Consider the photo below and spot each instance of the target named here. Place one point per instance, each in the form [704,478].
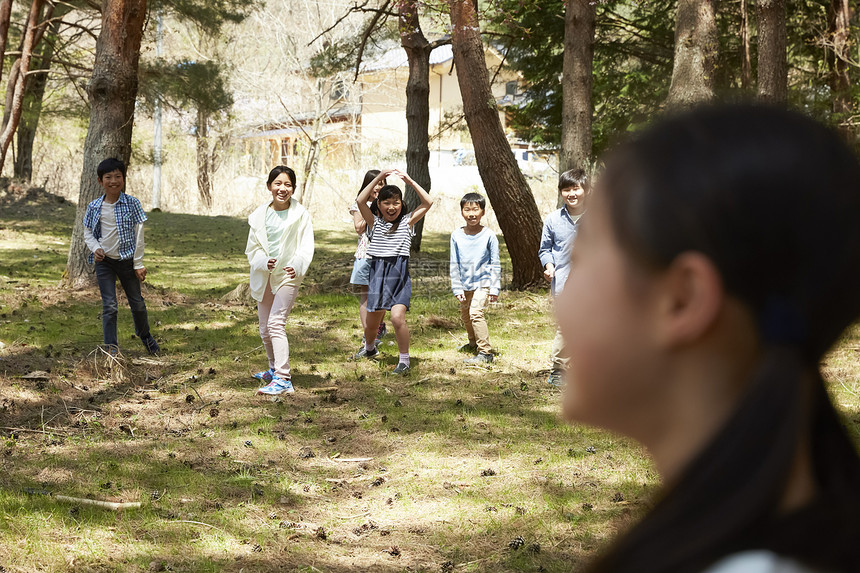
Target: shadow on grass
[189,427]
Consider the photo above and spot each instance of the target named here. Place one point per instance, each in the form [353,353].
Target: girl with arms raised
[390,287]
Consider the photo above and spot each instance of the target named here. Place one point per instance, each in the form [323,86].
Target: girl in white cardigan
[280,249]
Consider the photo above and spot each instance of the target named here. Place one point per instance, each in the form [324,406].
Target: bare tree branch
[354,8]
[366,35]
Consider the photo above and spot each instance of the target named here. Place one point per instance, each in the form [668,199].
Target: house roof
[290,125]
[396,58]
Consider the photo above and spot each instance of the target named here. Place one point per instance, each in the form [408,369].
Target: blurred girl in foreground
[719,262]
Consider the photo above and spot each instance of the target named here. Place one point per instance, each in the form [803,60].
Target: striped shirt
[128,214]
[383,244]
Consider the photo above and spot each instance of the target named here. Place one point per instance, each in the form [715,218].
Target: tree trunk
[576,84]
[746,61]
[5,18]
[696,50]
[417,108]
[504,183]
[772,60]
[17,101]
[204,171]
[112,91]
[839,22]
[303,193]
[34,93]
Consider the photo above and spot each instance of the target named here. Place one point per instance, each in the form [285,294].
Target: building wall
[383,107]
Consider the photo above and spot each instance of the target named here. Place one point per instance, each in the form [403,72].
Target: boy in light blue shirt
[559,232]
[475,275]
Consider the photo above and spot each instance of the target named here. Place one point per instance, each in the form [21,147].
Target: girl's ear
[690,297]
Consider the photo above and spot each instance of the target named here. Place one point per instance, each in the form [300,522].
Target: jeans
[107,271]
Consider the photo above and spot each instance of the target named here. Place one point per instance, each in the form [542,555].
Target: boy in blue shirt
[559,232]
[475,275]
[113,231]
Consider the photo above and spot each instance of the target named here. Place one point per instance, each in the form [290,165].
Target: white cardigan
[296,249]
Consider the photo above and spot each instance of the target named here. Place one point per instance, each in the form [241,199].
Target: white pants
[273,311]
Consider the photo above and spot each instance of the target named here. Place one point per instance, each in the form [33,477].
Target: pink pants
[273,311]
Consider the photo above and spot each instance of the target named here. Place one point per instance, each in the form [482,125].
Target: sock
[404,358]
[370,345]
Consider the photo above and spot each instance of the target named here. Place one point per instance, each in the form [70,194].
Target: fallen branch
[198,523]
[345,460]
[349,480]
[114,505]
[324,389]
[365,514]
[47,433]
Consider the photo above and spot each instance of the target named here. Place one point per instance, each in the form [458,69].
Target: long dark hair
[773,199]
[273,174]
[388,192]
[368,179]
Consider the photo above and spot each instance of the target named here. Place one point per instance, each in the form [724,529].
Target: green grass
[235,485]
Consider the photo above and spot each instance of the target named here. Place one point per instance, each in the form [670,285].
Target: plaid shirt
[128,214]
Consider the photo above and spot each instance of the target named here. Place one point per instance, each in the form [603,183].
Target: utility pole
[156,117]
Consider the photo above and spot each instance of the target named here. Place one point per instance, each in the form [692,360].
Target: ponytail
[728,497]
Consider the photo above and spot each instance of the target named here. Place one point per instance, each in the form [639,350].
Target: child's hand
[271,264]
[141,274]
[461,297]
[291,272]
[494,297]
[99,254]
[549,272]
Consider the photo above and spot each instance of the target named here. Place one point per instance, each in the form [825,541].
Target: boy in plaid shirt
[113,231]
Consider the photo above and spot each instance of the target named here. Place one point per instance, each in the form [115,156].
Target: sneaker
[480,358]
[265,375]
[276,387]
[401,368]
[151,345]
[555,378]
[364,353]
[381,331]
[468,348]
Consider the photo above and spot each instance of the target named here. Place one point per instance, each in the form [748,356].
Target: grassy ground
[444,470]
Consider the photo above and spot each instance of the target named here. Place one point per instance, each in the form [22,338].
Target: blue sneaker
[265,375]
[276,387]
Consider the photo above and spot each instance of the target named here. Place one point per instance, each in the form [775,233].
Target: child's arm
[257,257]
[364,197]
[359,222]
[93,244]
[545,252]
[300,262]
[426,201]
[495,269]
[456,282]
[139,269]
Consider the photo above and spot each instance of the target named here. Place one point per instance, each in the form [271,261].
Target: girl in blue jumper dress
[390,287]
